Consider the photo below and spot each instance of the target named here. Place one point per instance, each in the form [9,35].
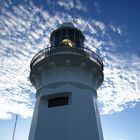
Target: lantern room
[67,35]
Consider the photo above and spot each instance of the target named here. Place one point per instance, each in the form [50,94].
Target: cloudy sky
[111,29]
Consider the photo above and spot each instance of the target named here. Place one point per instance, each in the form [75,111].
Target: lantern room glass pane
[57,40]
[64,32]
[70,32]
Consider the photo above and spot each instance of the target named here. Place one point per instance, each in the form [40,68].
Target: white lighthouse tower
[66,76]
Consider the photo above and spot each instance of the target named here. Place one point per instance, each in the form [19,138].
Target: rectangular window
[58,101]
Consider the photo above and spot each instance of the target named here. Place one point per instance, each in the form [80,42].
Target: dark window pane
[70,32]
[76,34]
[78,43]
[71,38]
[57,40]
[58,101]
[64,33]
[63,37]
[58,33]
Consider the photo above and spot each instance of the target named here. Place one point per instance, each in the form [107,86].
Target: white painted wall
[79,120]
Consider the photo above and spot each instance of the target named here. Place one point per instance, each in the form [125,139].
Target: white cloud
[25,29]
[73,4]
[122,83]
[67,4]
[122,139]
[98,7]
[99,25]
[116,29]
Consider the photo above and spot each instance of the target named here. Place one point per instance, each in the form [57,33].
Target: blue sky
[111,29]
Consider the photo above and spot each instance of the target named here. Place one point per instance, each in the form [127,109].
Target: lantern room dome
[67,24]
[67,35]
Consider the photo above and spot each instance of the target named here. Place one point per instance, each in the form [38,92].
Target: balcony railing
[50,51]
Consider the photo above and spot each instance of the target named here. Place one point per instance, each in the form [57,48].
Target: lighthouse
[66,76]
